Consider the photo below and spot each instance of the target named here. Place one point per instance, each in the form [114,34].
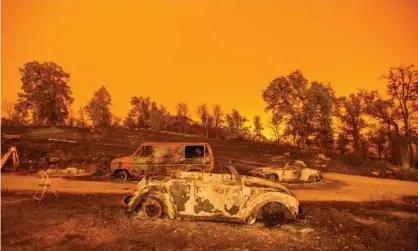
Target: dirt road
[337,187]
[88,215]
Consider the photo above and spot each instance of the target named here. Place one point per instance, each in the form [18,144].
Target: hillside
[91,149]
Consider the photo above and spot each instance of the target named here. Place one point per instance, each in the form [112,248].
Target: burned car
[153,158]
[295,171]
[213,196]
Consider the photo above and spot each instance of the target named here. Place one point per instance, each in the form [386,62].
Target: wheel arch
[164,198]
[253,206]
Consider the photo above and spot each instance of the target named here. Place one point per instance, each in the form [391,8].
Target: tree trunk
[400,150]
[357,150]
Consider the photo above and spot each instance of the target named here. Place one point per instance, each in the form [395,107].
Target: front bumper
[301,213]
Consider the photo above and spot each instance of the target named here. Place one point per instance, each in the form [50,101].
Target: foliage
[402,86]
[45,93]
[235,124]
[217,116]
[351,114]
[98,108]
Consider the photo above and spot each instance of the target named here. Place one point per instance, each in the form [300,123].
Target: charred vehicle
[214,196]
[153,158]
[295,171]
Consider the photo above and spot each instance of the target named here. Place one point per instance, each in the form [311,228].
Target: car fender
[253,205]
[306,172]
[162,196]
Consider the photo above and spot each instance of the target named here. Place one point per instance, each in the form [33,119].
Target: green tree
[45,92]
[98,108]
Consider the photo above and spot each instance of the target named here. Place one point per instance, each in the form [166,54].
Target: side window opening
[146,151]
[192,152]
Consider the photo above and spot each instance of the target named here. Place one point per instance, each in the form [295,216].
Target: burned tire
[312,179]
[273,177]
[121,175]
[151,208]
[127,199]
[273,214]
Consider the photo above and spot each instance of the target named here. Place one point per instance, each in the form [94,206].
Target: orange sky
[214,51]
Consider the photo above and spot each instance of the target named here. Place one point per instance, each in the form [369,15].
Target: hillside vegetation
[91,150]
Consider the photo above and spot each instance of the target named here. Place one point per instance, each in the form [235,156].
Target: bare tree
[203,113]
[258,127]
[274,123]
[8,107]
[403,88]
[182,109]
[217,115]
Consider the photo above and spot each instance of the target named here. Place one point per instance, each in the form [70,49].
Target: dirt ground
[344,213]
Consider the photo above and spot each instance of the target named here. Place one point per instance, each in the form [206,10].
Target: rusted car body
[153,158]
[214,196]
[291,172]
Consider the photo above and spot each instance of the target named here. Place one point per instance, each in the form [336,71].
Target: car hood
[250,181]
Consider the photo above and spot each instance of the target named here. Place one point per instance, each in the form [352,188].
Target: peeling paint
[291,172]
[159,157]
[214,196]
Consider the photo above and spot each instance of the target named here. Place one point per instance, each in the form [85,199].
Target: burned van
[155,158]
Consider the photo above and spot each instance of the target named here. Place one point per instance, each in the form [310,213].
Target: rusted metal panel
[294,172]
[228,197]
[163,156]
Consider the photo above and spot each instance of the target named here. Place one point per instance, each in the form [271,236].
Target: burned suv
[154,158]
[213,196]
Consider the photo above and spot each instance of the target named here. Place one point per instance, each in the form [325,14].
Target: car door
[218,195]
[143,161]
[291,173]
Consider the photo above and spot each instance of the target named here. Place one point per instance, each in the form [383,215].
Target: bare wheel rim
[122,175]
[273,214]
[151,208]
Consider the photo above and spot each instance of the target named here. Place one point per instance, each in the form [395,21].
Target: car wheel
[312,178]
[273,177]
[273,214]
[151,208]
[121,175]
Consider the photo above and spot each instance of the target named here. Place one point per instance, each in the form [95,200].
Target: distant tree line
[304,113]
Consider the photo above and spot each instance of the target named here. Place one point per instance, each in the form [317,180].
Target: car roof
[153,143]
